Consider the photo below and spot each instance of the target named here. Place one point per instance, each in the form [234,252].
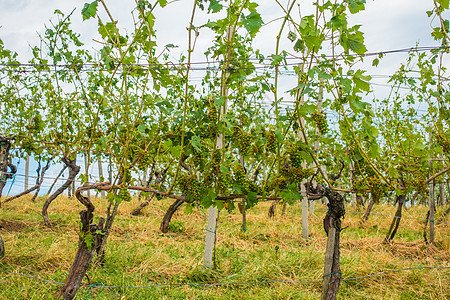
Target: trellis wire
[380,214]
[223,283]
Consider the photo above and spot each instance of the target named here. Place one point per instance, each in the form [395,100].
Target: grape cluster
[358,185]
[212,169]
[239,174]
[320,118]
[126,175]
[243,119]
[124,194]
[208,179]
[297,174]
[443,142]
[278,181]
[377,187]
[190,186]
[416,180]
[242,139]
[223,183]
[254,187]
[144,161]
[215,162]
[294,153]
[246,185]
[212,115]
[271,141]
[197,156]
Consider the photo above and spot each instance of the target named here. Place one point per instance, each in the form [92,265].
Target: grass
[270,250]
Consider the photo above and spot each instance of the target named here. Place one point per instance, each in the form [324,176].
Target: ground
[271,250]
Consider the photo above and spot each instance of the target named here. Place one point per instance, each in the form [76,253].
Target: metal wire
[223,283]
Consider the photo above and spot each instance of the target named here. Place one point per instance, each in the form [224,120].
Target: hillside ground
[271,249]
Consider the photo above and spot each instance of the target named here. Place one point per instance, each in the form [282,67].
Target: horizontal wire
[380,214]
[52,68]
[224,283]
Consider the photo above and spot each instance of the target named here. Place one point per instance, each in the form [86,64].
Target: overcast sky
[387,25]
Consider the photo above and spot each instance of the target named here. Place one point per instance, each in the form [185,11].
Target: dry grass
[271,249]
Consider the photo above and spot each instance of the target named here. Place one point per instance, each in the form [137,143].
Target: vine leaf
[89,10]
[444,3]
[162,2]
[252,22]
[357,5]
[214,6]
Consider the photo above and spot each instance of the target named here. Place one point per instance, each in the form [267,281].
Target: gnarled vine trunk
[164,227]
[160,177]
[401,199]
[88,242]
[137,210]
[5,146]
[73,171]
[272,208]
[332,225]
[2,248]
[368,210]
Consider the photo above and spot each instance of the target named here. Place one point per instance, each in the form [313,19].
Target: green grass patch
[271,250]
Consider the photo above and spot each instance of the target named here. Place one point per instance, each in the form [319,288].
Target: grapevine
[320,118]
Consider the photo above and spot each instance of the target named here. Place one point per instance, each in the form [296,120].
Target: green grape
[124,194]
[320,118]
[271,142]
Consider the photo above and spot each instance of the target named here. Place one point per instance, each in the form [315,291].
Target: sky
[387,25]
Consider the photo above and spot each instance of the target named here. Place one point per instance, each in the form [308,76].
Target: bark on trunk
[21,194]
[359,201]
[332,225]
[109,221]
[425,228]
[283,211]
[5,146]
[335,276]
[2,248]
[164,227]
[427,219]
[56,180]
[73,171]
[272,208]
[160,177]
[368,210]
[40,179]
[396,220]
[137,210]
[90,236]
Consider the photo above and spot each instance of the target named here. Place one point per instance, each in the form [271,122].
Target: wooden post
[27,170]
[305,229]
[210,238]
[213,217]
[431,200]
[431,208]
